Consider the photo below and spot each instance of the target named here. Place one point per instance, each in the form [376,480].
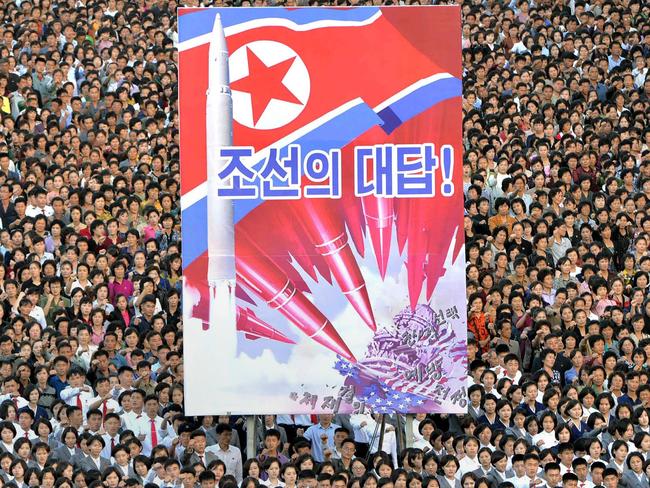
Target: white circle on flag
[292,97]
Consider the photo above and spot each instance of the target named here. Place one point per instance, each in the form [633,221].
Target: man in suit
[95,461]
[195,452]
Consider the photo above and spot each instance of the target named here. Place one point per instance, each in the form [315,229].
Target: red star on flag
[264,83]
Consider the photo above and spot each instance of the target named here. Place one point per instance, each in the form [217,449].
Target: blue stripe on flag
[195,218]
[199,23]
[418,101]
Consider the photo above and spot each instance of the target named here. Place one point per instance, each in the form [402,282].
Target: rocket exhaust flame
[222,311]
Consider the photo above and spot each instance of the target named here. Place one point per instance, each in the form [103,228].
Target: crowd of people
[556,175]
[557,185]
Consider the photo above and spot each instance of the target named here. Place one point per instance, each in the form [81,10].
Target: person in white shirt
[38,204]
[518,468]
[419,417]
[150,430]
[104,400]
[273,473]
[389,444]
[230,455]
[511,370]
[531,477]
[469,462]
[25,422]
[294,424]
[78,393]
[565,453]
[581,469]
[546,438]
[425,429]
[82,281]
[40,253]
[132,409]
[111,436]
[640,70]
[178,436]
[570,480]
[10,392]
[85,350]
[28,306]
[93,421]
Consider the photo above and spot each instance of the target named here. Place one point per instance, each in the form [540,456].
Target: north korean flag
[301,68]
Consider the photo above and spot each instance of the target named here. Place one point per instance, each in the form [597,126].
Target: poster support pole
[399,428]
[382,430]
[409,430]
[250,436]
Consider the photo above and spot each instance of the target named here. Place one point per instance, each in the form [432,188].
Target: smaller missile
[379,217]
[267,280]
[354,222]
[255,328]
[327,234]
[402,222]
[417,249]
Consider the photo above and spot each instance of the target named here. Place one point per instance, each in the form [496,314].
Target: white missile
[221,234]
[218,119]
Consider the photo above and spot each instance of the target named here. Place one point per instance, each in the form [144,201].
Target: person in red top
[477,321]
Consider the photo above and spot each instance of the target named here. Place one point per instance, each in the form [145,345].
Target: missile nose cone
[218,36]
[249,323]
[328,337]
[361,302]
[218,56]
